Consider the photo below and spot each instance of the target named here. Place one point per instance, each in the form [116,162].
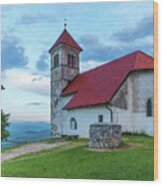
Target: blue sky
[104,30]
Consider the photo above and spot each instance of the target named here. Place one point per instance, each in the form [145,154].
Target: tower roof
[67,39]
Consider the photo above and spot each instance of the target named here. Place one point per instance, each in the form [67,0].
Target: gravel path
[29,148]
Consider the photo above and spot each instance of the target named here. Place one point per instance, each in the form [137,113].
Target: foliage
[2,87]
[4,123]
[134,133]
[76,161]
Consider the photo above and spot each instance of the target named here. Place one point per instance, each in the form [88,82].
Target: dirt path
[29,148]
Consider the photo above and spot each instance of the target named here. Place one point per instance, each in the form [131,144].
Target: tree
[4,123]
[2,87]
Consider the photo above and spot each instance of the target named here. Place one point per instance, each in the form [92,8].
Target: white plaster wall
[133,122]
[61,116]
[144,124]
[140,88]
[85,117]
[143,89]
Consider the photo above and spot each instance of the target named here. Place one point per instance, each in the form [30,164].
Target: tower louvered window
[70,60]
[56,61]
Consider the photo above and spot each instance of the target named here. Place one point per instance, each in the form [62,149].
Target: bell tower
[64,68]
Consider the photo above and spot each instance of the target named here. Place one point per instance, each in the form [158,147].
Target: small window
[56,60]
[100,118]
[73,124]
[70,60]
[149,107]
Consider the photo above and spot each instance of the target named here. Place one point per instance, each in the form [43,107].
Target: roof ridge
[138,55]
[114,60]
[136,59]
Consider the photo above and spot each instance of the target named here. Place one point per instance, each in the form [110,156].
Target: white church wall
[143,124]
[139,89]
[133,122]
[61,117]
[142,90]
[85,117]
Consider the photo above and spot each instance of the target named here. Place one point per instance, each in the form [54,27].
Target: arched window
[149,107]
[73,124]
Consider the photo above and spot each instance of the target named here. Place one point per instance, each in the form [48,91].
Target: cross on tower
[65,23]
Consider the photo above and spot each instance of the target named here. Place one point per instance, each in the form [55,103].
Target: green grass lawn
[133,161]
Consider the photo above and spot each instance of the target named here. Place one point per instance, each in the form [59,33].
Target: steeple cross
[65,23]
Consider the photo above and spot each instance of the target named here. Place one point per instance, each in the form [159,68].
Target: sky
[105,31]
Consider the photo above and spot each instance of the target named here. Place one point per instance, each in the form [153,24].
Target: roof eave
[83,106]
[80,49]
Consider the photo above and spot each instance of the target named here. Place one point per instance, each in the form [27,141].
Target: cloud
[36,18]
[143,29]
[42,64]
[120,43]
[94,49]
[112,53]
[97,51]
[13,55]
[87,65]
[35,104]
[25,80]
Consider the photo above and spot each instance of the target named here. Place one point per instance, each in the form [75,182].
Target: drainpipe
[61,122]
[111,112]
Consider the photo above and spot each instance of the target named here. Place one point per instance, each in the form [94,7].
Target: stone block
[105,135]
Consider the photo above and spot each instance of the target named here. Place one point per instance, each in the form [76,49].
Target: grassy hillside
[133,161]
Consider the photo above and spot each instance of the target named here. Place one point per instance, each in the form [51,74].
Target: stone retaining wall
[104,135]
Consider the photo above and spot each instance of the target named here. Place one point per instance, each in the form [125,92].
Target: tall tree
[4,123]
[2,87]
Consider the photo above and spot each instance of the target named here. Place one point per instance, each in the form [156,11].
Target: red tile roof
[66,38]
[99,85]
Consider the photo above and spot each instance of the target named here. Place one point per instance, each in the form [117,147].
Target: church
[118,92]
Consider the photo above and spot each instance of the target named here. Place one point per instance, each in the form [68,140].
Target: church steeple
[64,68]
[66,39]
[65,58]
